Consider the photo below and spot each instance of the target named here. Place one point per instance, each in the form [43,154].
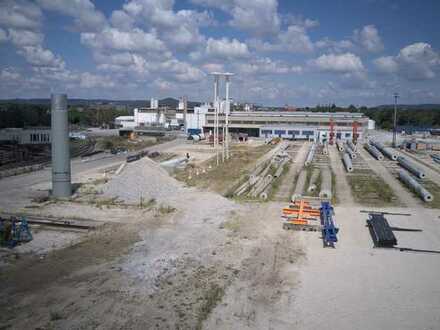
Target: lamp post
[396,96]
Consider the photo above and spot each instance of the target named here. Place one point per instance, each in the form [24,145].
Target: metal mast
[396,96]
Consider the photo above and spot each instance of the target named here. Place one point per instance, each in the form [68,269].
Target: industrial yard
[164,240]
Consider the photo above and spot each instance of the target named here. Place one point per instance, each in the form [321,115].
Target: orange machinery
[300,215]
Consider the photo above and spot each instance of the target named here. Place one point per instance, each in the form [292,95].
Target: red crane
[332,131]
[355,132]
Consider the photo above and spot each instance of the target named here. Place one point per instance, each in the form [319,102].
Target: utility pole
[396,96]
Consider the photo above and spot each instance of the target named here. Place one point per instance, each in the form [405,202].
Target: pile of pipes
[373,151]
[340,145]
[413,182]
[310,155]
[325,149]
[349,154]
[387,151]
[436,158]
[326,183]
[259,183]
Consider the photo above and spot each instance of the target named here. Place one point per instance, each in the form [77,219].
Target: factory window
[338,135]
[307,133]
[266,131]
[294,132]
[280,132]
[347,135]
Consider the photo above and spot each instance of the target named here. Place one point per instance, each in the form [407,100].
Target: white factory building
[317,126]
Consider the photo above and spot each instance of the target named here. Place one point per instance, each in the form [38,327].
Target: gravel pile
[143,178]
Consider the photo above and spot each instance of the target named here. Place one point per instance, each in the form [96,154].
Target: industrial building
[286,124]
[34,135]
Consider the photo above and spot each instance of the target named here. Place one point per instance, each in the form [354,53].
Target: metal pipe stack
[313,180]
[411,167]
[373,151]
[414,185]
[326,184]
[347,162]
[61,172]
[310,155]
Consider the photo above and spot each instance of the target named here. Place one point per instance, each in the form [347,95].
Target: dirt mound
[143,179]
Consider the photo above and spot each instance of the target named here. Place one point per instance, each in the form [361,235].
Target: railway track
[57,222]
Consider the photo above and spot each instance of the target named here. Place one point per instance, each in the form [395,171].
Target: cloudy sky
[296,52]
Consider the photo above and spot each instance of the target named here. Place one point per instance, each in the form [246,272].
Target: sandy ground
[212,263]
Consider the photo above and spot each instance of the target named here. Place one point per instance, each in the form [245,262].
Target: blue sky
[282,52]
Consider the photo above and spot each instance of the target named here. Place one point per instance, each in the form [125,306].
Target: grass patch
[334,196]
[165,209]
[223,178]
[434,189]
[110,142]
[371,190]
[212,297]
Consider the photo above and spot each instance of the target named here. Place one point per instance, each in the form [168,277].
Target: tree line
[26,115]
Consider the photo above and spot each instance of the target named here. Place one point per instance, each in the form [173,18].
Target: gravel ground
[143,179]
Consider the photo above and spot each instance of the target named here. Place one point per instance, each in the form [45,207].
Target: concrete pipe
[414,185]
[313,180]
[347,162]
[326,184]
[411,167]
[300,184]
[340,145]
[265,182]
[351,145]
[387,151]
[373,151]
[310,155]
[325,149]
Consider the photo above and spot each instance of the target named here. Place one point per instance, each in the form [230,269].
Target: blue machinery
[329,229]
[14,231]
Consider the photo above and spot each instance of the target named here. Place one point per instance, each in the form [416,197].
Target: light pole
[396,96]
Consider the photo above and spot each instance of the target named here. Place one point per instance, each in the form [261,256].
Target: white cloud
[22,38]
[335,46]
[265,66]
[386,64]
[339,63]
[112,38]
[20,14]
[417,61]
[89,80]
[225,48]
[294,40]
[121,20]
[258,17]
[8,75]
[84,13]
[40,57]
[369,38]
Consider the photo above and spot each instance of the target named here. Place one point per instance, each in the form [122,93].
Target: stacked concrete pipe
[414,185]
[411,167]
[310,155]
[351,145]
[300,184]
[373,151]
[387,151]
[347,162]
[340,145]
[326,184]
[313,180]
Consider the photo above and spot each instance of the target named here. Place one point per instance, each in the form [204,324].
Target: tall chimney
[61,178]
